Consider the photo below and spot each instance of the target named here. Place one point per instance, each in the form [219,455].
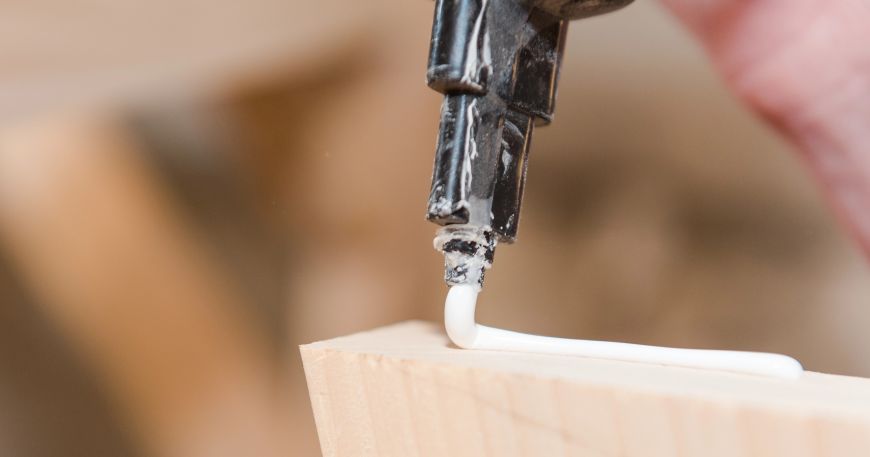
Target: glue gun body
[497,64]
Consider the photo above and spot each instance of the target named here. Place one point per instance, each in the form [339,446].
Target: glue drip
[465,333]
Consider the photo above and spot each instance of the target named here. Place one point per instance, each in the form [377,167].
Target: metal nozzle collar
[468,252]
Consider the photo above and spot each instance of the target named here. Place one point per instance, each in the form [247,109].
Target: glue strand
[465,333]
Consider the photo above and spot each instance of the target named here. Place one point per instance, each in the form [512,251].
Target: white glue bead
[465,333]
[459,315]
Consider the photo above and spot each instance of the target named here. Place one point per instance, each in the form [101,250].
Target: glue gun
[497,64]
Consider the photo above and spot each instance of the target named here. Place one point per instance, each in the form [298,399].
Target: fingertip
[698,14]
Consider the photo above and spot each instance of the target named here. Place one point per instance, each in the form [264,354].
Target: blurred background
[191,189]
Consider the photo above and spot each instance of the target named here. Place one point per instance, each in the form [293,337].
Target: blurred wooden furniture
[94,232]
[119,272]
[111,53]
[404,390]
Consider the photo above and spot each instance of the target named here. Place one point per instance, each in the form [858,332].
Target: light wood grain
[404,390]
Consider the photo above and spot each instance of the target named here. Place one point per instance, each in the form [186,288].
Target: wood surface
[404,390]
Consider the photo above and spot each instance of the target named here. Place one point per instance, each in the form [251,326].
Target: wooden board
[403,390]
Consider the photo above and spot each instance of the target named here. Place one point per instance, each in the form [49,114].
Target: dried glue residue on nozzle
[465,333]
[468,252]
